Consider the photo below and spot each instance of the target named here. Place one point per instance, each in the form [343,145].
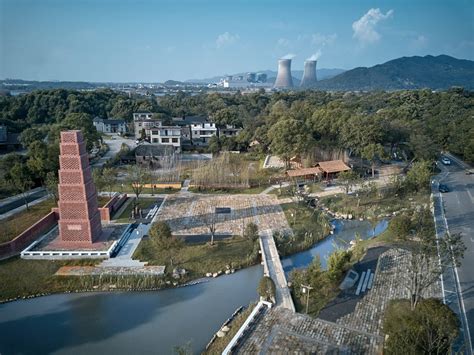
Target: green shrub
[337,263]
[266,288]
[430,328]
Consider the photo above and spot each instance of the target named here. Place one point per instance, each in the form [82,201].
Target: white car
[446,161]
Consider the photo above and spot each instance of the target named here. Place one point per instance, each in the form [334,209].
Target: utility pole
[306,289]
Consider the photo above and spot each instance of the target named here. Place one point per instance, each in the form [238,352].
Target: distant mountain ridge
[434,72]
[322,73]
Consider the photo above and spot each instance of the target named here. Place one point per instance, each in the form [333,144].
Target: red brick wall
[15,246]
[110,207]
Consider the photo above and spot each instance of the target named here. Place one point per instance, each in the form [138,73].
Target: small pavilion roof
[304,172]
[333,166]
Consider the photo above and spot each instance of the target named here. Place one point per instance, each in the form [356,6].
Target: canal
[145,322]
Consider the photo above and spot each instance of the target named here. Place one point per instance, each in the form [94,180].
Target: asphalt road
[19,201]
[114,143]
[459,213]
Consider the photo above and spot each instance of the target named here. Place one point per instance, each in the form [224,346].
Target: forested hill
[437,73]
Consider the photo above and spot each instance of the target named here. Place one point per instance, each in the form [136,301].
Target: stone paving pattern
[97,270]
[281,332]
[186,214]
[388,285]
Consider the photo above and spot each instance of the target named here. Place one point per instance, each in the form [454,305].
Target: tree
[98,179]
[289,137]
[348,179]
[431,328]
[337,263]
[372,152]
[210,220]
[29,136]
[251,231]
[400,226]
[214,145]
[266,289]
[161,235]
[109,176]
[51,184]
[429,257]
[418,178]
[137,177]
[38,162]
[20,178]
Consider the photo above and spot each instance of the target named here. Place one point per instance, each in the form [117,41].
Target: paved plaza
[358,332]
[189,214]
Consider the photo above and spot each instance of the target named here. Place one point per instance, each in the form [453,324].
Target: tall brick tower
[79,217]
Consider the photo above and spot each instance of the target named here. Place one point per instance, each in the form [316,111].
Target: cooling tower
[284,79]
[309,76]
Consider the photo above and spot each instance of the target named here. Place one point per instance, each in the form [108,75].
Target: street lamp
[306,289]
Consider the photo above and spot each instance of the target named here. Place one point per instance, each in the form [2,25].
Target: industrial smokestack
[309,75]
[284,79]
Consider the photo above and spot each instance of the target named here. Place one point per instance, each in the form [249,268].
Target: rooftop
[304,172]
[333,166]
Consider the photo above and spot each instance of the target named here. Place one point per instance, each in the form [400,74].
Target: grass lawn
[309,226]
[373,205]
[16,224]
[29,277]
[199,259]
[143,203]
[21,221]
[219,344]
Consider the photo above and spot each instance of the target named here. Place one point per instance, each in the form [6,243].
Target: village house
[110,125]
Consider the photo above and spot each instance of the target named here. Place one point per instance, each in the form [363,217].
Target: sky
[153,41]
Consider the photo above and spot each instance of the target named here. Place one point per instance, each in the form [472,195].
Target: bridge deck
[274,269]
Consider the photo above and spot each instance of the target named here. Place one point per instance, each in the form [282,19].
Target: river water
[145,322]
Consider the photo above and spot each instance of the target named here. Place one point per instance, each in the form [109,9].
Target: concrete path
[272,265]
[114,144]
[10,203]
[125,254]
[23,207]
[185,186]
[273,187]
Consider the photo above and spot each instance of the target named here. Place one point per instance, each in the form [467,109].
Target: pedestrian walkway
[185,186]
[273,187]
[23,207]
[125,254]
[274,269]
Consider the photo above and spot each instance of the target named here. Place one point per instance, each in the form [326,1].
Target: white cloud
[322,40]
[283,42]
[226,38]
[365,27]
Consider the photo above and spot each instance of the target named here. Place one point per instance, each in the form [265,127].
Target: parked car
[446,161]
[443,188]
[469,171]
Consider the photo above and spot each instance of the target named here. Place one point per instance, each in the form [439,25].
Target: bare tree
[429,257]
[137,177]
[109,176]
[210,219]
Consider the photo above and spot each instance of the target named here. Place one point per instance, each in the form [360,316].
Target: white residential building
[110,125]
[144,121]
[167,135]
[201,133]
